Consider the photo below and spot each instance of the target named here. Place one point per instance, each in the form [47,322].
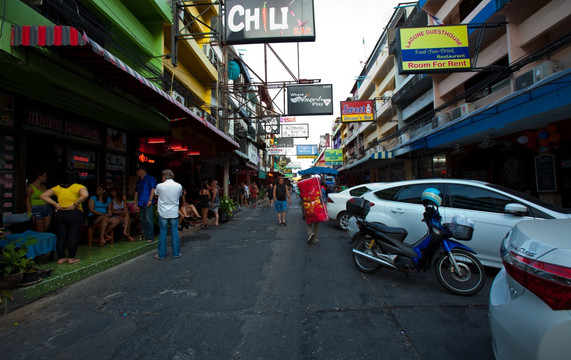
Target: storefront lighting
[156,140]
[179,148]
[193,153]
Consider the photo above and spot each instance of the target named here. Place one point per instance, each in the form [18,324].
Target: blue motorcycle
[377,245]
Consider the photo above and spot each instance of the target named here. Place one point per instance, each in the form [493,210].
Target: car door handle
[398,211]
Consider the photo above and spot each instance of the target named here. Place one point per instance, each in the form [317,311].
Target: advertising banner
[276,151]
[295,130]
[353,111]
[334,157]
[306,151]
[287,119]
[433,49]
[283,142]
[310,99]
[256,21]
[270,125]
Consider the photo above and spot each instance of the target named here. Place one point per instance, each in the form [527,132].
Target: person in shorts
[281,196]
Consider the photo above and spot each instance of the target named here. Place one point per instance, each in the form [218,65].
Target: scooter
[377,245]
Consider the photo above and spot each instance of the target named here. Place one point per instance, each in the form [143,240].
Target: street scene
[251,289]
[285,179]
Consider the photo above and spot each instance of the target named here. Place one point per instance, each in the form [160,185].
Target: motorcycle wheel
[363,264]
[472,275]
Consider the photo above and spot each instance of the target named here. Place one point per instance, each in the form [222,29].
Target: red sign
[362,110]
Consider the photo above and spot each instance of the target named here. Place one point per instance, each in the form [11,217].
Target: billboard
[310,99]
[295,130]
[276,151]
[257,21]
[283,142]
[433,49]
[362,110]
[306,151]
[334,157]
[269,125]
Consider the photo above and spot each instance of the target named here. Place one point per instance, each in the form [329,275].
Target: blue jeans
[146,214]
[163,225]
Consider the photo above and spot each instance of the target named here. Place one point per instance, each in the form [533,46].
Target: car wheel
[343,220]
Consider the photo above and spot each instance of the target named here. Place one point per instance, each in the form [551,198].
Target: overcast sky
[335,57]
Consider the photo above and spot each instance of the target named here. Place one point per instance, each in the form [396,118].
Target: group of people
[248,194]
[68,202]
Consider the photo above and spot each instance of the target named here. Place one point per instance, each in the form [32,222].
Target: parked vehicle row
[495,210]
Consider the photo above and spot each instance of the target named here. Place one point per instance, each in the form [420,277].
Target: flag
[433,20]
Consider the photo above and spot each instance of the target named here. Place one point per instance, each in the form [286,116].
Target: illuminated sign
[254,21]
[145,159]
[333,157]
[433,49]
[82,160]
[362,110]
[306,151]
[310,99]
[295,130]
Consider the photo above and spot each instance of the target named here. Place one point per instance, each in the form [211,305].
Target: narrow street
[250,289]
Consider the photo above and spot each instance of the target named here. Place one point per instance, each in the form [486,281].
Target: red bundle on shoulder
[314,208]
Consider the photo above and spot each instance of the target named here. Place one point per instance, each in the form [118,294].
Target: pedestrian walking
[145,191]
[313,228]
[281,196]
[68,216]
[169,193]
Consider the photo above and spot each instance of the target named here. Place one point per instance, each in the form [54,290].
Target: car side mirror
[516,209]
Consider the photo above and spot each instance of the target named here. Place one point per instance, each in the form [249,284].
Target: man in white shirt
[169,193]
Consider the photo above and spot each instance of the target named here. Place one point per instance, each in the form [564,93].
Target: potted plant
[227,207]
[13,263]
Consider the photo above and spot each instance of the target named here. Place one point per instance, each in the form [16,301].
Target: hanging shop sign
[6,110]
[269,125]
[254,21]
[353,111]
[283,142]
[433,49]
[276,151]
[310,99]
[51,125]
[306,151]
[334,157]
[253,154]
[295,130]
[287,119]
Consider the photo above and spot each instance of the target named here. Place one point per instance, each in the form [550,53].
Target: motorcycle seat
[395,233]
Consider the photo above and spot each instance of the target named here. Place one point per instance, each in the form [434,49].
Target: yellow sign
[334,157]
[435,48]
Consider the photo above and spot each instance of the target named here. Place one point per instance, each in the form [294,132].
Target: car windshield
[531,199]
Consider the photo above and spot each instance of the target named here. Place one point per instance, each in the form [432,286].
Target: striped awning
[77,46]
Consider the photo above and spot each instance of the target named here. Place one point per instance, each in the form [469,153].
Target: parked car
[336,203]
[530,298]
[494,209]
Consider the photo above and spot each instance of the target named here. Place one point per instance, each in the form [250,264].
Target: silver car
[530,299]
[495,210]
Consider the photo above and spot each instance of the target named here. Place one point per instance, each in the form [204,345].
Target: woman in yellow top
[37,208]
[68,216]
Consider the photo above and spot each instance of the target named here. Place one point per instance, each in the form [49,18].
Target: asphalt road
[251,289]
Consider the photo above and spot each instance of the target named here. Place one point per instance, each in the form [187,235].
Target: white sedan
[530,299]
[336,202]
[495,210]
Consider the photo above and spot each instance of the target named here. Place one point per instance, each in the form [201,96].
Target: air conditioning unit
[524,80]
[379,148]
[545,69]
[179,98]
[404,138]
[196,111]
[441,119]
[461,110]
[210,53]
[370,152]
[387,95]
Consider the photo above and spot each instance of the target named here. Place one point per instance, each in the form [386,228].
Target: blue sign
[306,151]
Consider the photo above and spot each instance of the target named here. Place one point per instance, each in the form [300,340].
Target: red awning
[78,47]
